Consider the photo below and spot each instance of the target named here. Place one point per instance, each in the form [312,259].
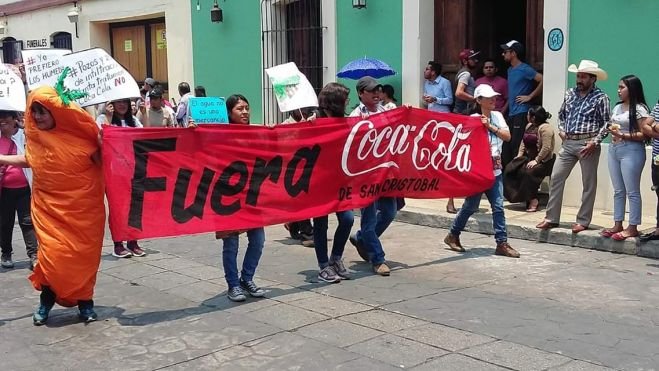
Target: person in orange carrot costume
[68,211]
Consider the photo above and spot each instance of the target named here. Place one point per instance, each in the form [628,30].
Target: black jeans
[655,184]
[13,201]
[517,126]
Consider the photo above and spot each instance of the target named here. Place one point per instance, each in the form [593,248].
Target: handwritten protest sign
[12,91]
[43,66]
[208,110]
[292,89]
[95,72]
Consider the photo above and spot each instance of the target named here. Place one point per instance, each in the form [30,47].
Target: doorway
[141,47]
[484,25]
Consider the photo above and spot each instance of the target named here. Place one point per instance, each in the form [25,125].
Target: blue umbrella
[365,67]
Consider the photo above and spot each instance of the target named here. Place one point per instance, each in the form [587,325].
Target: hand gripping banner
[169,182]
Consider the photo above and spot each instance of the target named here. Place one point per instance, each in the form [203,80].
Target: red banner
[169,182]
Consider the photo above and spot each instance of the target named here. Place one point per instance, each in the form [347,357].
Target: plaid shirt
[655,141]
[585,115]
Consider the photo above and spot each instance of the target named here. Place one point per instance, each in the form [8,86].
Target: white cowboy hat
[591,67]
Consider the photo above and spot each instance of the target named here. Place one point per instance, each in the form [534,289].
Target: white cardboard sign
[95,72]
[43,66]
[12,90]
[292,89]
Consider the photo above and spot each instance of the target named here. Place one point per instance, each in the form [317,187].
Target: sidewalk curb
[482,223]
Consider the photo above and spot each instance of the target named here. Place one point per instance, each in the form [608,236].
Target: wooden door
[129,49]
[159,52]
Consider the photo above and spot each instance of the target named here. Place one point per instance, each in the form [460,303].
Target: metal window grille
[291,31]
[11,51]
[62,40]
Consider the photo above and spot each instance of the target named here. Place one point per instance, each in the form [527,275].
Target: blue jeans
[470,206]
[256,238]
[341,235]
[373,224]
[626,161]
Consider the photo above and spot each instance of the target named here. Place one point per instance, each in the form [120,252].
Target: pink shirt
[14,176]
[500,85]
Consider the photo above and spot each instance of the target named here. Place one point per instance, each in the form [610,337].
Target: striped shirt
[655,141]
[585,115]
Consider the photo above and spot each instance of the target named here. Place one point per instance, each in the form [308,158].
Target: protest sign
[43,66]
[292,89]
[208,110]
[95,72]
[168,182]
[12,90]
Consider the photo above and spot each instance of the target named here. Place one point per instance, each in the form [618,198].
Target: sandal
[607,233]
[620,236]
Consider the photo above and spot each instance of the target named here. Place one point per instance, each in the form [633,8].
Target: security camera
[73,15]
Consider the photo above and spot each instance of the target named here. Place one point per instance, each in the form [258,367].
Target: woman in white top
[387,97]
[629,118]
[498,132]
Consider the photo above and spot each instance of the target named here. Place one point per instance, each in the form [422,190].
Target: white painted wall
[418,47]
[93,28]
[329,40]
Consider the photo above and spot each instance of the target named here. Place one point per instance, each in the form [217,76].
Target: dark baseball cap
[367,83]
[513,45]
[468,54]
[155,93]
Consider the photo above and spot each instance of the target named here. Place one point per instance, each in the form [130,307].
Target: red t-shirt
[14,176]
[500,85]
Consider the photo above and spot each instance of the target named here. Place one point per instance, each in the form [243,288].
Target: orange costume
[68,209]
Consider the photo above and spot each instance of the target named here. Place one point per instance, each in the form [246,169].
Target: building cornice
[25,6]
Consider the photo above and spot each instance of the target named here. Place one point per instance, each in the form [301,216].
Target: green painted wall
[620,35]
[227,55]
[374,32]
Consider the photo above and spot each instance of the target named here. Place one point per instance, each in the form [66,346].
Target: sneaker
[40,316]
[308,243]
[361,250]
[33,262]
[329,275]
[236,294]
[253,290]
[6,261]
[135,249]
[453,243]
[504,249]
[87,314]
[340,269]
[382,269]
[120,251]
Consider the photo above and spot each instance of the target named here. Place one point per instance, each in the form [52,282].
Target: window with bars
[291,31]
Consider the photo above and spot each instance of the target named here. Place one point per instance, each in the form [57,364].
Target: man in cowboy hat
[582,126]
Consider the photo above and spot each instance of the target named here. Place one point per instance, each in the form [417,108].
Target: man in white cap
[524,84]
[498,133]
[583,119]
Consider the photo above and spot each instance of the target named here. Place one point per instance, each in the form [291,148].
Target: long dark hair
[636,96]
[128,118]
[332,100]
[232,101]
[539,115]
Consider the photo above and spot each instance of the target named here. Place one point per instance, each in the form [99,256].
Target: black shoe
[648,237]
[86,309]
[361,250]
[236,294]
[251,288]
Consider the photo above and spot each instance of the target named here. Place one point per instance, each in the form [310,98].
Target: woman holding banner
[122,116]
[238,111]
[68,211]
[498,132]
[332,102]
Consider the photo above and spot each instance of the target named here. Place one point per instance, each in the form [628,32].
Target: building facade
[150,38]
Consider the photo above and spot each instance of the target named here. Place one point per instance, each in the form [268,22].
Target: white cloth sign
[292,89]
[12,90]
[43,66]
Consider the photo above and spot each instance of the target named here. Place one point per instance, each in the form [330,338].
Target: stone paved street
[556,308]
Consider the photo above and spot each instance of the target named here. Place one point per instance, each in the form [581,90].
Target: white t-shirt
[496,143]
[620,117]
[362,109]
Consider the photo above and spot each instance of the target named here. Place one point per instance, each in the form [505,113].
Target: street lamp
[359,4]
[216,13]
[74,15]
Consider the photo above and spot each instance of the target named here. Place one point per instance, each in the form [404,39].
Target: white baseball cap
[485,91]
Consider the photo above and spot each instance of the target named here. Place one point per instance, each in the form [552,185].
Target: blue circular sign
[555,39]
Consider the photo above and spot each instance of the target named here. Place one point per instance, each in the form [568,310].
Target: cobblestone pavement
[556,308]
